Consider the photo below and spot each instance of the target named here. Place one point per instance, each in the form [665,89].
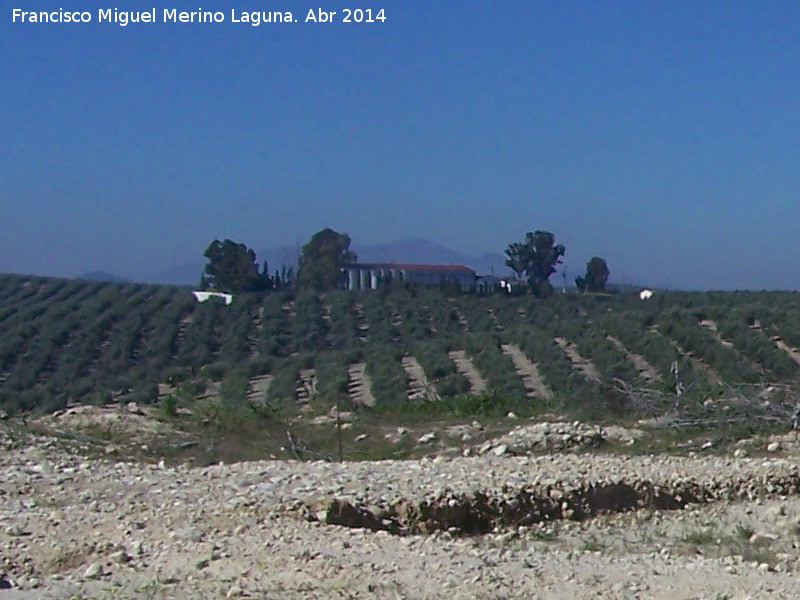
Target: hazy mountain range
[102,276]
[404,251]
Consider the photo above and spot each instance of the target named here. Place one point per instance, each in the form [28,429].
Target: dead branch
[292,445]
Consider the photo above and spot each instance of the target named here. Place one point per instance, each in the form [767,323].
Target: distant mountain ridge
[102,276]
[414,250]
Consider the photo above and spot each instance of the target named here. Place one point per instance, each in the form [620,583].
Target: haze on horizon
[659,135]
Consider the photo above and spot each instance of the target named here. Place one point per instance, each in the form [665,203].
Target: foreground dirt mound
[558,436]
[495,508]
[561,526]
[130,422]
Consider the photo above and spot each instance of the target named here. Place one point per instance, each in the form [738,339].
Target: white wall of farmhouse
[371,276]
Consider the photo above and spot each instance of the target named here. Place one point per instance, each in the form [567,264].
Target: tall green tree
[537,257]
[322,259]
[232,268]
[517,259]
[596,276]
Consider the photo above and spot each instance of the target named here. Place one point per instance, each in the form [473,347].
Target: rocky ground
[540,512]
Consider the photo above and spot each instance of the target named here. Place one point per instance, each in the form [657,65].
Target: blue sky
[662,136]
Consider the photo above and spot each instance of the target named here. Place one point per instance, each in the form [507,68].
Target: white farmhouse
[203,296]
[368,276]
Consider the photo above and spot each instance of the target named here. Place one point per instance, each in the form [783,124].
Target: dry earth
[467,368]
[712,375]
[646,370]
[306,386]
[792,352]
[575,523]
[360,385]
[714,329]
[584,365]
[259,386]
[529,372]
[418,384]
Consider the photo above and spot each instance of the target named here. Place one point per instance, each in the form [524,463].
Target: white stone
[93,571]
[500,450]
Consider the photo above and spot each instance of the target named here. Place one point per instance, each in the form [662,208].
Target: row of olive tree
[537,257]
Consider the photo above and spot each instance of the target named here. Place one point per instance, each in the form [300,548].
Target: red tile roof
[416,267]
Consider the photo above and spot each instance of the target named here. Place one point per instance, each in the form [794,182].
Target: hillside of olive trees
[64,341]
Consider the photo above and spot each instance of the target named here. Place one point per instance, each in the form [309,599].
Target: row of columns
[368,279]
